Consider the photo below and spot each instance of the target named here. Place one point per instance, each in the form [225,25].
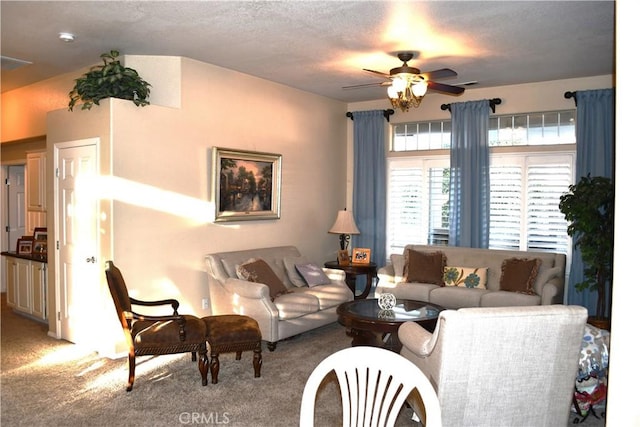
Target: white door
[76,234]
[16,215]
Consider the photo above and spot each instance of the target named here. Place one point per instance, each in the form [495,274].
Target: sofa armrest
[386,276]
[336,276]
[246,289]
[415,338]
[552,292]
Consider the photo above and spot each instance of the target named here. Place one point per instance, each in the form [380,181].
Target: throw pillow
[424,267]
[312,274]
[468,277]
[258,271]
[290,268]
[519,274]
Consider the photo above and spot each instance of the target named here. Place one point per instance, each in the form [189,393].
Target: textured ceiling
[320,46]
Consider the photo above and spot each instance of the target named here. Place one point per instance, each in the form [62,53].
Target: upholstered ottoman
[230,333]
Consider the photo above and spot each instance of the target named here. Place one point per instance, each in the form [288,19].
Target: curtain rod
[492,103]
[569,95]
[387,114]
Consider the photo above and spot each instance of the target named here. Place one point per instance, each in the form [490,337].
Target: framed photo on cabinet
[25,245]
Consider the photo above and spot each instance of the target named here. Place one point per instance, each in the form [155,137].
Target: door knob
[91,260]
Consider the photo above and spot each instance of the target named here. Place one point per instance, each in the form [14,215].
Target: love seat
[546,286]
[298,308]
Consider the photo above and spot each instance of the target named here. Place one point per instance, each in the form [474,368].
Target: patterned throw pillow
[468,277]
[519,275]
[258,271]
[424,267]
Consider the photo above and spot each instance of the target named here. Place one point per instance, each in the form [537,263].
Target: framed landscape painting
[246,184]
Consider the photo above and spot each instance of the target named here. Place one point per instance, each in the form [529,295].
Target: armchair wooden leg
[132,371]
[203,364]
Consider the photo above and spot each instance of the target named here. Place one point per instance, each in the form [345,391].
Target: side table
[352,271]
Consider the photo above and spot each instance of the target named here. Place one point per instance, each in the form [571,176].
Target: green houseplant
[589,209]
[109,80]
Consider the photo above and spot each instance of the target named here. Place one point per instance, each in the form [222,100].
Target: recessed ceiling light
[66,37]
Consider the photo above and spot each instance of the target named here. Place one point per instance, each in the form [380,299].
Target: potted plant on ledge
[109,80]
[589,209]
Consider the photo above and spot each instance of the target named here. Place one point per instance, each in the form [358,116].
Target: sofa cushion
[519,274]
[292,273]
[424,267]
[468,277]
[296,304]
[331,295]
[258,271]
[312,274]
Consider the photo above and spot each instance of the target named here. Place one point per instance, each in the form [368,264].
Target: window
[526,182]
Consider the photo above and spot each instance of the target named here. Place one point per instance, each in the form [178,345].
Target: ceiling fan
[407,85]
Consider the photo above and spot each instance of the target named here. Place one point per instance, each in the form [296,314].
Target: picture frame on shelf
[39,247]
[40,233]
[361,256]
[24,245]
[246,185]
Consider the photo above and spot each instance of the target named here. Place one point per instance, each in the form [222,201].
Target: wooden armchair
[156,335]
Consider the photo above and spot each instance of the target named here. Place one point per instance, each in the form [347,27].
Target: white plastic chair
[374,384]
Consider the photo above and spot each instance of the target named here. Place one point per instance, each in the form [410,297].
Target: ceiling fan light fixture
[419,89]
[391,93]
[398,84]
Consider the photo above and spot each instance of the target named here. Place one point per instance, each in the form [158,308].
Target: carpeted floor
[47,382]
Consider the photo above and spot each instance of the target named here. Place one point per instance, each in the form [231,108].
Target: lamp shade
[345,224]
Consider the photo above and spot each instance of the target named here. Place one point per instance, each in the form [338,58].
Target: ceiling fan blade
[442,73]
[441,87]
[379,73]
[367,85]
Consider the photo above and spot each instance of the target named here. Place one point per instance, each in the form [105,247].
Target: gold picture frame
[361,256]
[246,184]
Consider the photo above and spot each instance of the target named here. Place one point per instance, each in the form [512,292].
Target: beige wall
[162,216]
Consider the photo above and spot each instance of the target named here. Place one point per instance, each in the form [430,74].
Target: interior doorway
[13,209]
[77,274]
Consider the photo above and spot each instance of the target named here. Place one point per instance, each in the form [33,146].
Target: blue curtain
[469,191]
[595,126]
[370,183]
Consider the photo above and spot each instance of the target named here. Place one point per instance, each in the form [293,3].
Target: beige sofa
[301,310]
[548,287]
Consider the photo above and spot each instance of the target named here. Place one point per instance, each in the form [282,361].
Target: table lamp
[345,226]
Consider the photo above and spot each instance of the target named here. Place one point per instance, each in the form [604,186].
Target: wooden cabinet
[36,181]
[27,286]
[36,189]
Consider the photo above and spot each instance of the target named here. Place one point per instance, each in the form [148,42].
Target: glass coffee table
[368,324]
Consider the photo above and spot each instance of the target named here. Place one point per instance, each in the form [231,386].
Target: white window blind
[418,200]
[525,193]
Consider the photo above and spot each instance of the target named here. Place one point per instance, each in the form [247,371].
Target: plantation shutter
[405,219]
[547,228]
[525,193]
[506,206]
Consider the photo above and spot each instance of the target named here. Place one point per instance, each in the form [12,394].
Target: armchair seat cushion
[148,333]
